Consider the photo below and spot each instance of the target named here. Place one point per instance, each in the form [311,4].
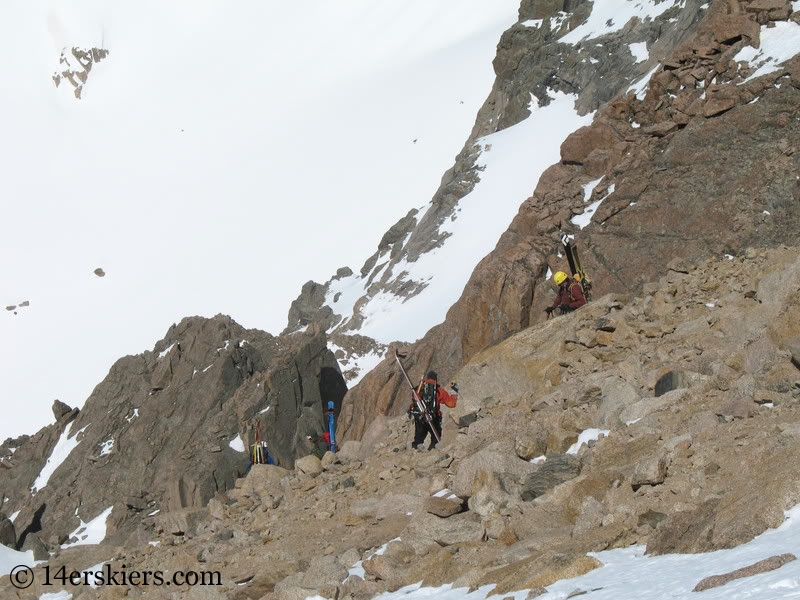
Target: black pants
[421,430]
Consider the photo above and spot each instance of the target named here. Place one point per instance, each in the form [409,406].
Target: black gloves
[564,308]
[549,309]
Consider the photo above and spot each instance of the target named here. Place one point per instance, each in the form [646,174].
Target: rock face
[530,61]
[168,429]
[693,167]
[676,478]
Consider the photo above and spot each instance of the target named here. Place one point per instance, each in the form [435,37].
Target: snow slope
[221,155]
[512,160]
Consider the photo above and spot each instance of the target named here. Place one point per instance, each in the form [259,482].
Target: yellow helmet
[560,277]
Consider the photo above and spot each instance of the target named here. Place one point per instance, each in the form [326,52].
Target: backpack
[428,395]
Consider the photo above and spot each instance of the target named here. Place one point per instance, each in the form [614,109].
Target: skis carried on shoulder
[426,415]
[571,250]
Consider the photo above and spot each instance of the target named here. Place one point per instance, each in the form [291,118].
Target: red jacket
[442,397]
[570,293]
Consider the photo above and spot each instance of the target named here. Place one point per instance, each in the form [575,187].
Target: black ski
[417,400]
[575,265]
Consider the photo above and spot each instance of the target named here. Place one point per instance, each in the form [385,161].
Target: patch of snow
[639,52]
[533,23]
[519,156]
[10,558]
[766,212]
[729,256]
[133,416]
[593,60]
[164,352]
[549,274]
[710,304]
[612,15]
[62,595]
[586,436]
[538,459]
[778,44]
[237,443]
[154,544]
[557,21]
[13,516]
[633,422]
[208,367]
[92,532]
[61,451]
[107,446]
[583,219]
[640,87]
[154,513]
[769,404]
[361,364]
[261,412]
[589,188]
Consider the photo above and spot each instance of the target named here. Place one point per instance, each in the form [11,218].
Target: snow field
[512,160]
[608,16]
[92,532]
[218,129]
[778,44]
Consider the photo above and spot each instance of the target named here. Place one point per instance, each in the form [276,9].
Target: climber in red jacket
[570,294]
[433,396]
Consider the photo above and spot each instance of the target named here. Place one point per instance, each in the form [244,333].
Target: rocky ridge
[687,399]
[531,63]
[699,163]
[75,65]
[167,430]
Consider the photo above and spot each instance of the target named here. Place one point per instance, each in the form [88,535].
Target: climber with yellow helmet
[570,294]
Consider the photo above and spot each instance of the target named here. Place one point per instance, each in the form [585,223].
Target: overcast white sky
[222,155]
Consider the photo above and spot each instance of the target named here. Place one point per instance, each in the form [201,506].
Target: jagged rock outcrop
[700,163]
[726,325]
[75,65]
[167,430]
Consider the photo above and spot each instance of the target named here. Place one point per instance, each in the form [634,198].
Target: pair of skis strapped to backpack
[578,274]
[423,410]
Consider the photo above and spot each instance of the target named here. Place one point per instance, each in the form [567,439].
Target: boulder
[182,522]
[60,409]
[488,494]
[324,572]
[556,469]
[495,458]
[685,532]
[539,570]
[617,395]
[8,536]
[650,471]
[310,465]
[763,566]
[728,29]
[427,528]
[443,507]
[262,478]
[793,346]
[716,106]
